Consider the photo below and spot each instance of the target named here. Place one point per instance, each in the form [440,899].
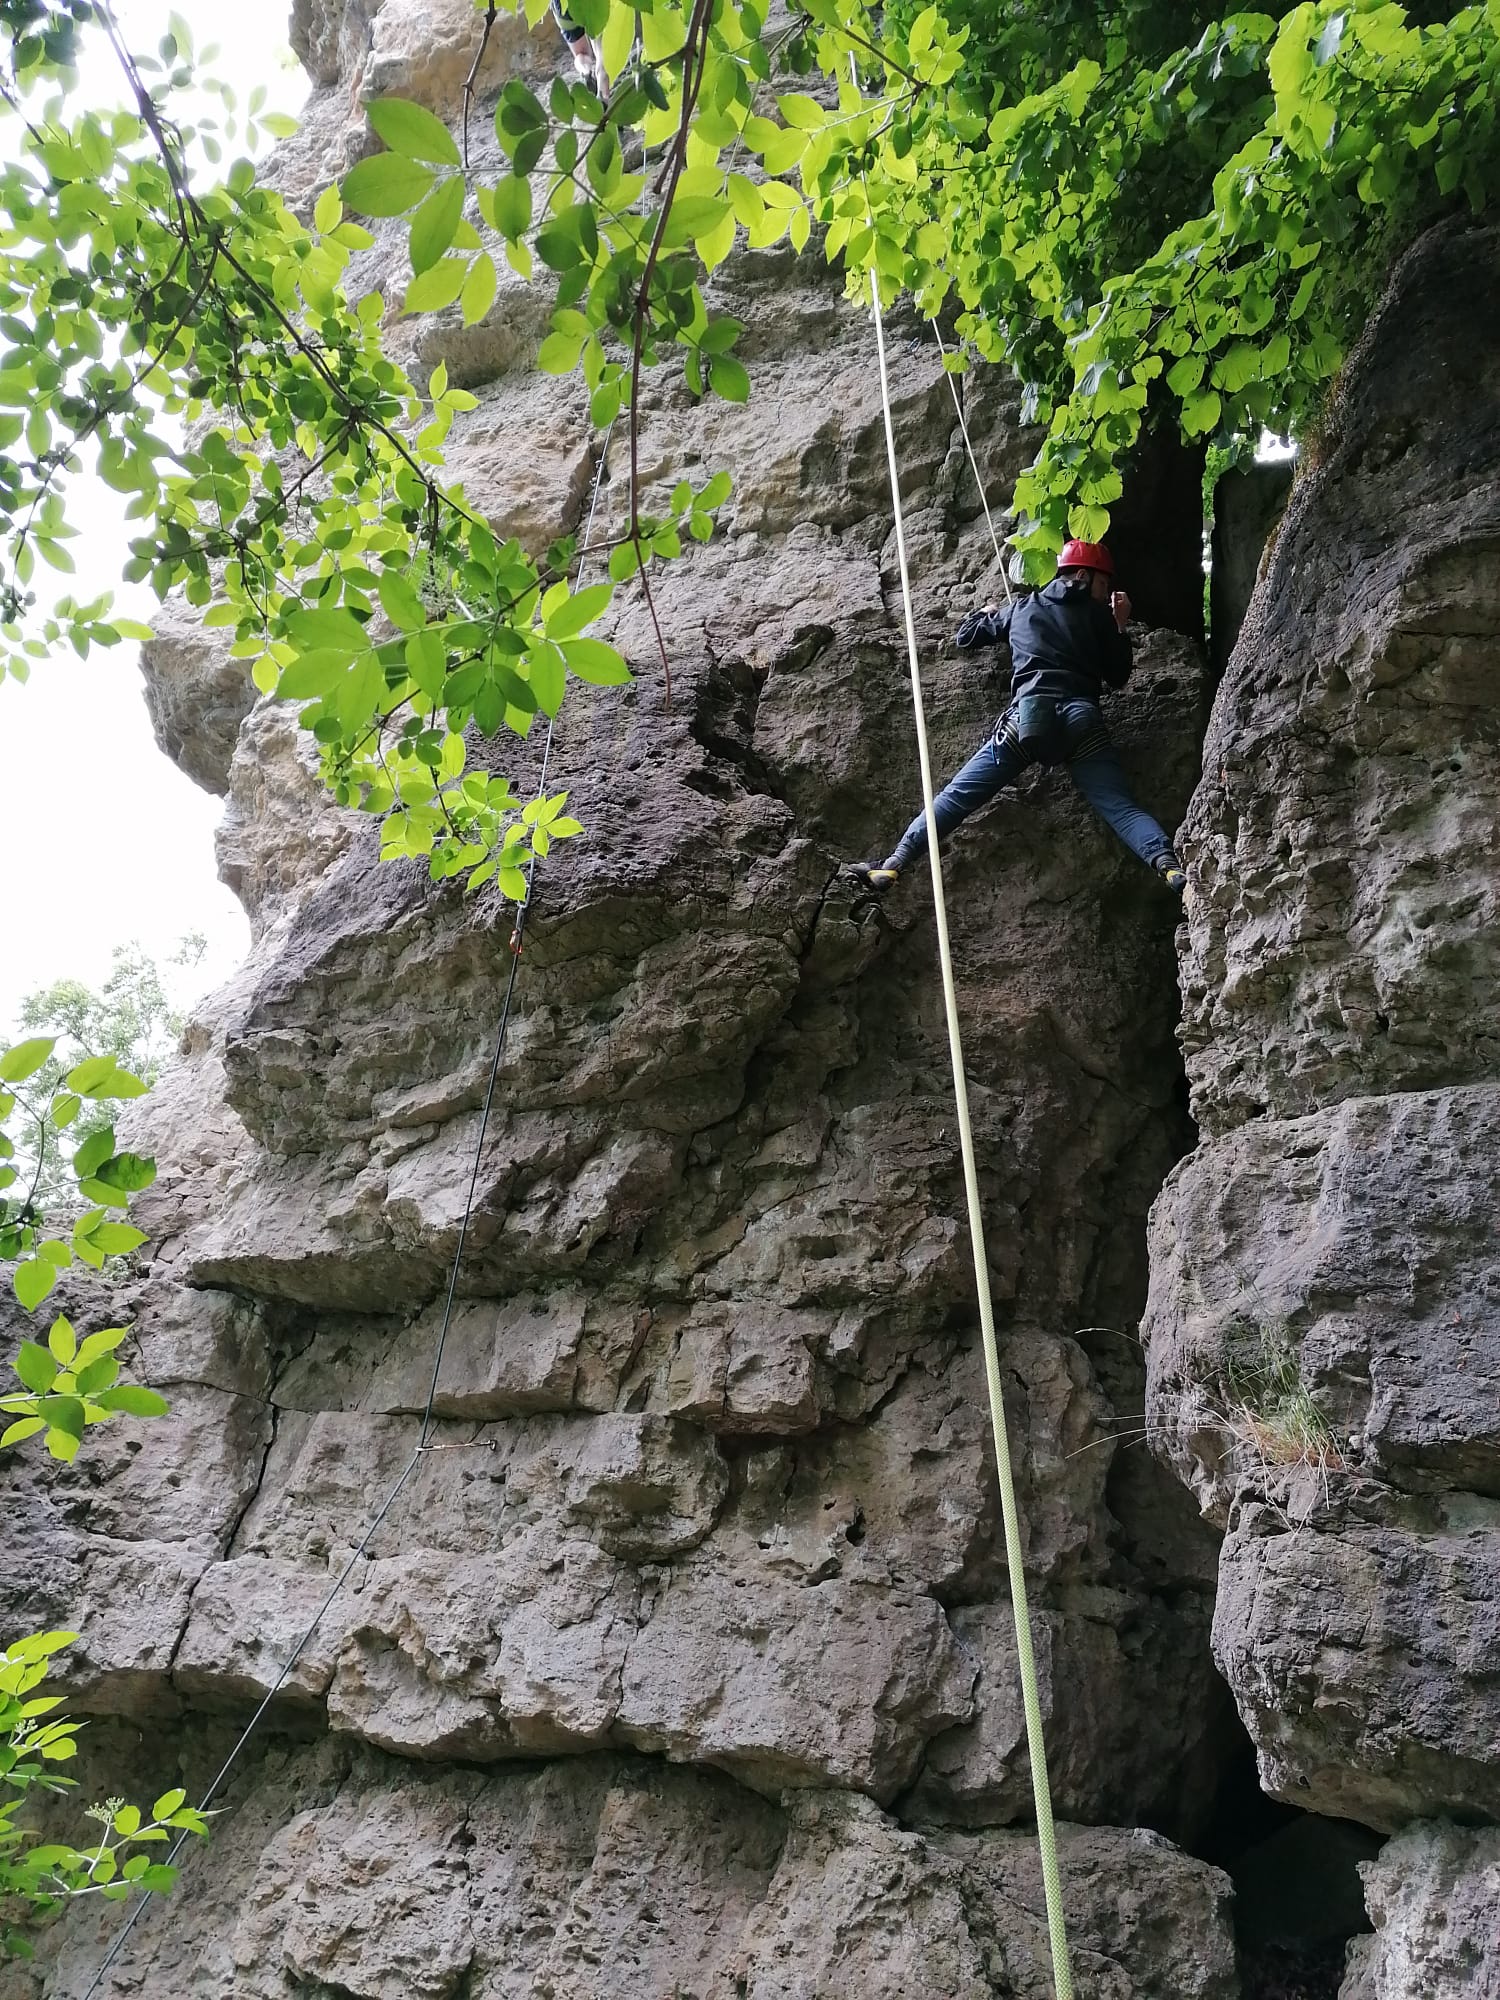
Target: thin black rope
[517,941]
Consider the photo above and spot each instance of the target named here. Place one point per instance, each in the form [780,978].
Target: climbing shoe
[876,876]
[1172,873]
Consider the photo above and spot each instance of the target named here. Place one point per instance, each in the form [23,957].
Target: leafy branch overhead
[1142,226]
[1145,227]
[305,507]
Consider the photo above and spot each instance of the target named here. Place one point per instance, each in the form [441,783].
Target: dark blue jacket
[1064,644]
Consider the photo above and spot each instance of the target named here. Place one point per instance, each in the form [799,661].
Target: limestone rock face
[1344,837]
[341,1870]
[197,696]
[1324,1279]
[1433,1893]
[681,1662]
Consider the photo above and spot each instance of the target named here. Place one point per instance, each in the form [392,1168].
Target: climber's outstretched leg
[996,764]
[1099,776]
[588,59]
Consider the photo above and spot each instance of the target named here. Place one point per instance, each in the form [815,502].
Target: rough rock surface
[1324,1288]
[682,1662]
[196,695]
[1434,1893]
[344,1871]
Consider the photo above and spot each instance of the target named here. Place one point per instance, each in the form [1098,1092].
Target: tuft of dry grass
[1271,1410]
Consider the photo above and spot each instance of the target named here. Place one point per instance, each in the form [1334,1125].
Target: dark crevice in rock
[226,1544]
[723,723]
[1298,1895]
[273,1418]
[1293,1972]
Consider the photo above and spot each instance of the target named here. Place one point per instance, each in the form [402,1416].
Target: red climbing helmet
[1086,555]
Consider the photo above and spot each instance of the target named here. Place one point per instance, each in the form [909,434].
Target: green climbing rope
[1062,1976]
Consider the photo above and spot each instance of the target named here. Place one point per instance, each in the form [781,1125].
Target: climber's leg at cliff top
[1098,775]
[996,764]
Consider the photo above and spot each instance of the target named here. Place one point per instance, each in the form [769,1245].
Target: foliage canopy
[1152,212]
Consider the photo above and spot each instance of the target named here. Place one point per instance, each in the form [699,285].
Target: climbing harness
[423,1445]
[1062,1977]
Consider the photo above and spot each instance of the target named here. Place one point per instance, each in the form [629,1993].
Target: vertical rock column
[1324,1361]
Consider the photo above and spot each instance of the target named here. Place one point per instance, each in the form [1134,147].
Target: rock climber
[1067,642]
[588,58]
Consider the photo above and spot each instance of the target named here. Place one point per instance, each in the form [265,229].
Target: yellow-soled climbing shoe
[1172,873]
[875,876]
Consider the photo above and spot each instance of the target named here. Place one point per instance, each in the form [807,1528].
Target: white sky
[106,839]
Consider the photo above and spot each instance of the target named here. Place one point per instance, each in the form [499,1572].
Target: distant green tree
[130,1019]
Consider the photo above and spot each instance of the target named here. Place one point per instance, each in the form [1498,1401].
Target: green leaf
[25,1059]
[548,676]
[64,1413]
[313,676]
[1200,412]
[1329,42]
[729,378]
[436,288]
[805,112]
[32,1281]
[575,612]
[101,1076]
[480,287]
[400,602]
[41,1645]
[24,1427]
[559,353]
[62,1342]
[95,1150]
[117,1239]
[130,1171]
[100,1374]
[595,662]
[329,212]
[332,629]
[507,206]
[693,216]
[412,130]
[720,335]
[1185,375]
[36,1367]
[386,184]
[103,1342]
[435,224]
[427,663]
[131,1400]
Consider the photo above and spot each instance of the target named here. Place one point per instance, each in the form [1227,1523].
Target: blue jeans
[1001,760]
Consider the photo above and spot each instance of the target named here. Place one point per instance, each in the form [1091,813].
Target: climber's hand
[1119,603]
